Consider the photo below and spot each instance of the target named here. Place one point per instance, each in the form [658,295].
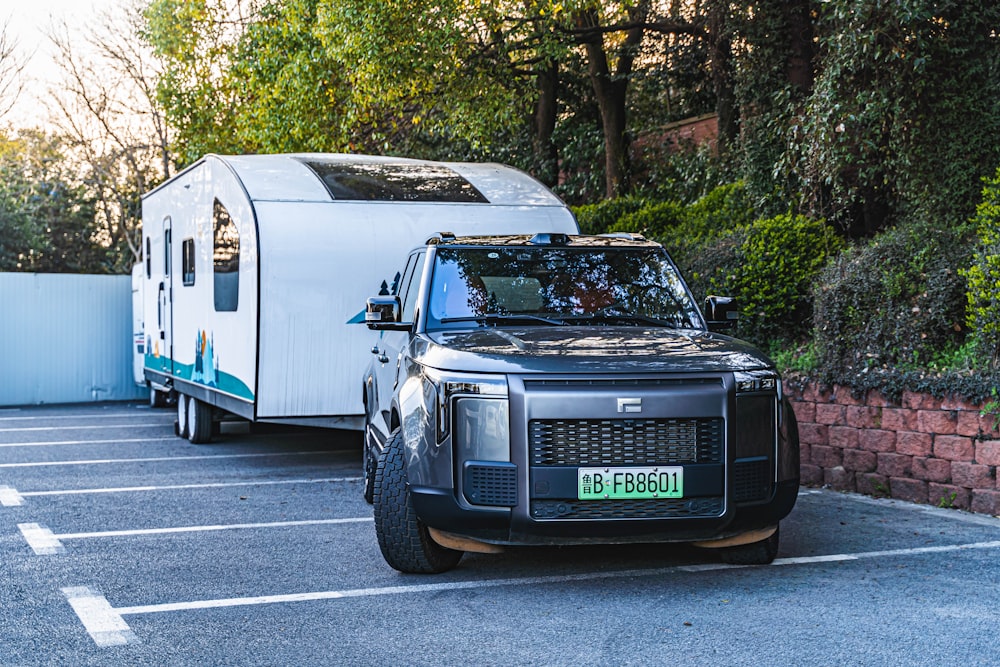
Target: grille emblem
[629,405]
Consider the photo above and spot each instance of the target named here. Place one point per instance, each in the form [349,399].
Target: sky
[27,21]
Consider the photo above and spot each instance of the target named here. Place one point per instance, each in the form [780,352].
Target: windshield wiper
[626,317]
[494,318]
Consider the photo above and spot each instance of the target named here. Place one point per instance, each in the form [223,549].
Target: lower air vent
[491,484]
[751,479]
[626,509]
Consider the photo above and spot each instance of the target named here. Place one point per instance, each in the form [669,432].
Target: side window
[149,258]
[226,259]
[166,252]
[411,288]
[187,261]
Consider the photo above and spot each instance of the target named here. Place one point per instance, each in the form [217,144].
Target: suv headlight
[476,407]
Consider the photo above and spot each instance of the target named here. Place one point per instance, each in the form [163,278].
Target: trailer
[256,269]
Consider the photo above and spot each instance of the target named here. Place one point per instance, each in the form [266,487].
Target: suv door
[391,343]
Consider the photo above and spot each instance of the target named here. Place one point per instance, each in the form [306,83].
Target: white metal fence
[65,339]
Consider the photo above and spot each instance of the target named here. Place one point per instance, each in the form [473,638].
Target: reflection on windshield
[559,286]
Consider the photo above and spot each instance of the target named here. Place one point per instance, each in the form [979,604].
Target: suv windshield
[552,286]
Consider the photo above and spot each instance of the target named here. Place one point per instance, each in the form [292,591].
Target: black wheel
[157,399]
[182,415]
[403,538]
[755,553]
[367,469]
[199,420]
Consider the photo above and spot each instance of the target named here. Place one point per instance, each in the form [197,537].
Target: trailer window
[387,181]
[187,261]
[226,259]
[149,259]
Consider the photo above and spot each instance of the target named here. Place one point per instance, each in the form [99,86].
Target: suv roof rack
[630,236]
[439,237]
[549,238]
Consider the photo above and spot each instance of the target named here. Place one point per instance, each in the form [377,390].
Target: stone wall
[922,450]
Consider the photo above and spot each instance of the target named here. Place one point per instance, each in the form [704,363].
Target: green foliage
[896,301]
[599,218]
[778,263]
[654,220]
[48,219]
[983,276]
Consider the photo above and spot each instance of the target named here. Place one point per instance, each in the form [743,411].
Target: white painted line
[9,497]
[40,539]
[59,443]
[38,464]
[22,429]
[201,529]
[112,415]
[102,616]
[104,624]
[14,494]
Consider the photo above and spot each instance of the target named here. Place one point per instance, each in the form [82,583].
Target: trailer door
[165,305]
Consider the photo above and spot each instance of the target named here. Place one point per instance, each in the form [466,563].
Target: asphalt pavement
[124,545]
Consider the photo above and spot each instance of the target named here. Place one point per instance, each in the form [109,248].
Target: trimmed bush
[779,260]
[653,220]
[599,218]
[897,301]
[983,296]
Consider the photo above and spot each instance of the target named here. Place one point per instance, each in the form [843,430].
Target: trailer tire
[755,553]
[403,538]
[157,399]
[199,418]
[182,415]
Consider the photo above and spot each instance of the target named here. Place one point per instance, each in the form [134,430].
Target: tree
[117,132]
[11,69]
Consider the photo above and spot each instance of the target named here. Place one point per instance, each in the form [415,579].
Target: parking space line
[37,464]
[104,625]
[114,616]
[46,543]
[115,415]
[59,443]
[84,428]
[10,496]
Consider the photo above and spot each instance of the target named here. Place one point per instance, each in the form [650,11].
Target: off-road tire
[755,553]
[404,540]
[199,415]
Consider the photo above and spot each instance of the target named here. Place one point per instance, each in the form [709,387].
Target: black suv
[563,389]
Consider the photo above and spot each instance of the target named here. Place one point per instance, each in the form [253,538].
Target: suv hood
[577,349]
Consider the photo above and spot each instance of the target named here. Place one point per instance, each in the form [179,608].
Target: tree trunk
[546,111]
[720,63]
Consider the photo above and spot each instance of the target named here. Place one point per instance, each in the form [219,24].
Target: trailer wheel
[403,538]
[199,421]
[182,415]
[157,399]
[755,553]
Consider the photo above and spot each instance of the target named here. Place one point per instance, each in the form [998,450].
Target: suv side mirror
[721,313]
[382,313]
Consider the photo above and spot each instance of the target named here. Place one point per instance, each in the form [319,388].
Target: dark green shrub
[652,220]
[779,260]
[897,301]
[983,296]
[598,218]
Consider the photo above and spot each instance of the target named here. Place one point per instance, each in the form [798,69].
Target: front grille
[656,508]
[622,442]
[494,484]
[751,480]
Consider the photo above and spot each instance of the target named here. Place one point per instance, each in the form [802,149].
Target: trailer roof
[325,177]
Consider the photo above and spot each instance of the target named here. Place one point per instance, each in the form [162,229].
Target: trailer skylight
[394,182]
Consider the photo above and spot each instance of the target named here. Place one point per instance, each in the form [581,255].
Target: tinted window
[412,287]
[394,182]
[573,285]
[226,259]
[187,261]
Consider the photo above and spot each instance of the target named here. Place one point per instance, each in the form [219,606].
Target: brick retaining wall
[922,450]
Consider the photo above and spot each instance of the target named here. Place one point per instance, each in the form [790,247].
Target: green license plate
[628,483]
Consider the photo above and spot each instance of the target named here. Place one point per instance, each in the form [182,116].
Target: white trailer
[256,270]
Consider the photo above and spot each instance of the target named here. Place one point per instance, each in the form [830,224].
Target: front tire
[403,538]
[199,421]
[368,464]
[755,553]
